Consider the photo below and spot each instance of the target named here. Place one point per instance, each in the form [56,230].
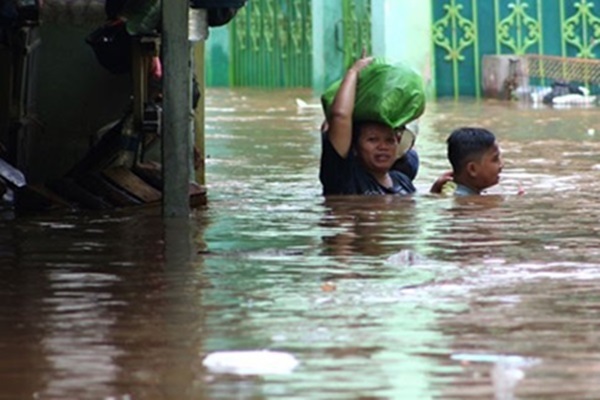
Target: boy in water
[475,159]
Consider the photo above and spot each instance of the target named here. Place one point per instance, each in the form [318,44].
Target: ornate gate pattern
[356,30]
[271,44]
[271,41]
[465,30]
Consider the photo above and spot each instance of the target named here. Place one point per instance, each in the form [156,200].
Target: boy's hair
[468,144]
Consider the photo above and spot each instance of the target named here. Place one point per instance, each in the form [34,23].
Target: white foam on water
[250,362]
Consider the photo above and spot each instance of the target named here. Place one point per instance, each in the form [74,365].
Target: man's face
[377,145]
[489,167]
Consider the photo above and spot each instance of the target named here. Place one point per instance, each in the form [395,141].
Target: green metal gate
[353,32]
[271,44]
[271,41]
[465,30]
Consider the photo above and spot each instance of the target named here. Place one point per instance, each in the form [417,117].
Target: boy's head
[475,157]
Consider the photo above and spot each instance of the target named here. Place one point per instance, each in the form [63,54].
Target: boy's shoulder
[452,188]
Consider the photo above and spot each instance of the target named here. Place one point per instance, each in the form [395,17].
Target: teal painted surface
[466,30]
[581,29]
[217,55]
[402,33]
[341,30]
[328,59]
[455,35]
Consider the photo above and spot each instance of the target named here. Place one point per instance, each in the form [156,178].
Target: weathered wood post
[177,106]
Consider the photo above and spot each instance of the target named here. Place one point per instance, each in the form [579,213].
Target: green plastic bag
[385,93]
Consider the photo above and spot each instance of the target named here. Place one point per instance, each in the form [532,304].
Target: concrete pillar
[328,59]
[401,32]
[176,143]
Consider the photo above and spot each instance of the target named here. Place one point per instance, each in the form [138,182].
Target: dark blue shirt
[340,175]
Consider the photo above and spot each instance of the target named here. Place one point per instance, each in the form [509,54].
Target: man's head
[475,157]
[375,145]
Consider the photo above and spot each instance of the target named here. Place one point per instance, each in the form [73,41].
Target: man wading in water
[358,153]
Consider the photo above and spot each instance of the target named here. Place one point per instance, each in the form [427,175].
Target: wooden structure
[117,170]
[18,49]
[123,166]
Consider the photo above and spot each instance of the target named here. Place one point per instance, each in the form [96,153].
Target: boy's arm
[340,121]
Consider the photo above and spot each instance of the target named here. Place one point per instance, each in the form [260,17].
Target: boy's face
[486,171]
[377,145]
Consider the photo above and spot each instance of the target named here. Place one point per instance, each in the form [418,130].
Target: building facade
[308,43]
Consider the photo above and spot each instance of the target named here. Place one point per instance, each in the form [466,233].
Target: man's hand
[441,181]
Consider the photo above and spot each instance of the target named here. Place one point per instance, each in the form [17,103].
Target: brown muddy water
[496,297]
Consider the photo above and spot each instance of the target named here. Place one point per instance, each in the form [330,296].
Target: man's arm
[340,120]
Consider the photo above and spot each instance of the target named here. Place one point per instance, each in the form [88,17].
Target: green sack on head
[385,93]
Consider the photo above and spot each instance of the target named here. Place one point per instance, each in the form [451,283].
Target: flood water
[496,297]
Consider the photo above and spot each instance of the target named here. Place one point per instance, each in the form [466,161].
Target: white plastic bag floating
[405,258]
[250,362]
[573,99]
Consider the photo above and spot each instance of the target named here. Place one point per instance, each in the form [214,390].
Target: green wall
[328,60]
[402,33]
[217,57]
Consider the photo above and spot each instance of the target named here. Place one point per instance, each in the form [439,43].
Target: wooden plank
[97,184]
[150,172]
[197,195]
[133,184]
[34,198]
[71,191]
[102,154]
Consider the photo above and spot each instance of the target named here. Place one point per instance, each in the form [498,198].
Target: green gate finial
[365,29]
[269,26]
[584,20]
[296,27]
[255,27]
[458,41]
[511,30]
[351,39]
[241,28]
[282,34]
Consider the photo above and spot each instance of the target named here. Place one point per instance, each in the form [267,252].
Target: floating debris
[250,362]
[328,286]
[304,105]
